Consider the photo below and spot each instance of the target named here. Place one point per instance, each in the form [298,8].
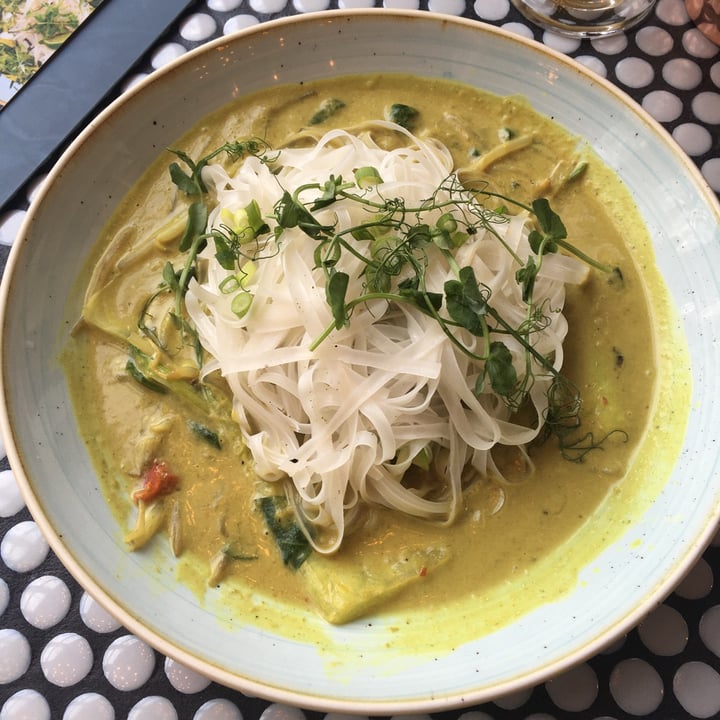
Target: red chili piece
[157,481]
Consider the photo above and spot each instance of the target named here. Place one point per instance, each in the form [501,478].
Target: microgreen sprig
[399,239]
[194,238]
[395,246]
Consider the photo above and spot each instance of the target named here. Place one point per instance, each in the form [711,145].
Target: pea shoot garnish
[396,244]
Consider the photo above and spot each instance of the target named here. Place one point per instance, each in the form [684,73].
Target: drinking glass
[585,18]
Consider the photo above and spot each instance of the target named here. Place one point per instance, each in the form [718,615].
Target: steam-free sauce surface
[610,354]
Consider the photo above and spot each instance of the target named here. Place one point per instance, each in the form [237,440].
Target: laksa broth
[377,343]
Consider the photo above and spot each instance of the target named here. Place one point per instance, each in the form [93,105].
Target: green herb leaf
[291,213]
[419,236]
[204,433]
[292,543]
[327,109]
[336,290]
[403,115]
[329,195]
[579,169]
[537,242]
[525,277]
[169,276]
[466,303]
[377,278]
[182,180]
[549,220]
[224,254]
[361,233]
[139,377]
[196,224]
[231,553]
[425,301]
[500,370]
[190,183]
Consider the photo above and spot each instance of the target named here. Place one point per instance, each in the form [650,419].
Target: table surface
[62,656]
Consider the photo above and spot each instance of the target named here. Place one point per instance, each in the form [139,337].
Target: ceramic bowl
[360,667]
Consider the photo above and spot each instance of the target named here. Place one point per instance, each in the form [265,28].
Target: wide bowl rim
[166,646]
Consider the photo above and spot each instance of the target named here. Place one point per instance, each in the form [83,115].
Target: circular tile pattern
[636,686]
[57,642]
[184,679]
[166,53]
[9,225]
[239,22]
[654,40]
[128,663]
[711,170]
[449,7]
[697,688]
[698,583]
[672,12]
[561,43]
[593,63]
[66,659]
[512,701]
[519,29]
[95,617]
[613,45]
[697,45]
[14,655]
[706,107]
[4,596]
[23,548]
[223,710]
[709,629]
[634,72]
[401,4]
[153,707]
[664,632]
[311,5]
[11,501]
[663,105]
[682,73]
[25,705]
[492,10]
[715,74]
[224,5]
[694,139]
[89,706]
[268,7]
[574,690]
[198,27]
[45,602]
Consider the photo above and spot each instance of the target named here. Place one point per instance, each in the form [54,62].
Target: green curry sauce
[503,561]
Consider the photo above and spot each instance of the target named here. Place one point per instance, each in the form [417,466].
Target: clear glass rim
[585,18]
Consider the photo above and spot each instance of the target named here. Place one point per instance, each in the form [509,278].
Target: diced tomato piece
[157,481]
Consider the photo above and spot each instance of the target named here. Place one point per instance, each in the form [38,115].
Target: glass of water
[585,18]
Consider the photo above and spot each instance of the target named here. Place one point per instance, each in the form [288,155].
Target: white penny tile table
[62,656]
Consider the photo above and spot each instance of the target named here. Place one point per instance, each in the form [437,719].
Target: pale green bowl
[358,668]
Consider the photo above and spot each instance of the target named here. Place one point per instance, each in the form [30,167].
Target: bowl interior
[351,668]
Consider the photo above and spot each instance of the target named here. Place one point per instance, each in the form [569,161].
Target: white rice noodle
[344,421]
